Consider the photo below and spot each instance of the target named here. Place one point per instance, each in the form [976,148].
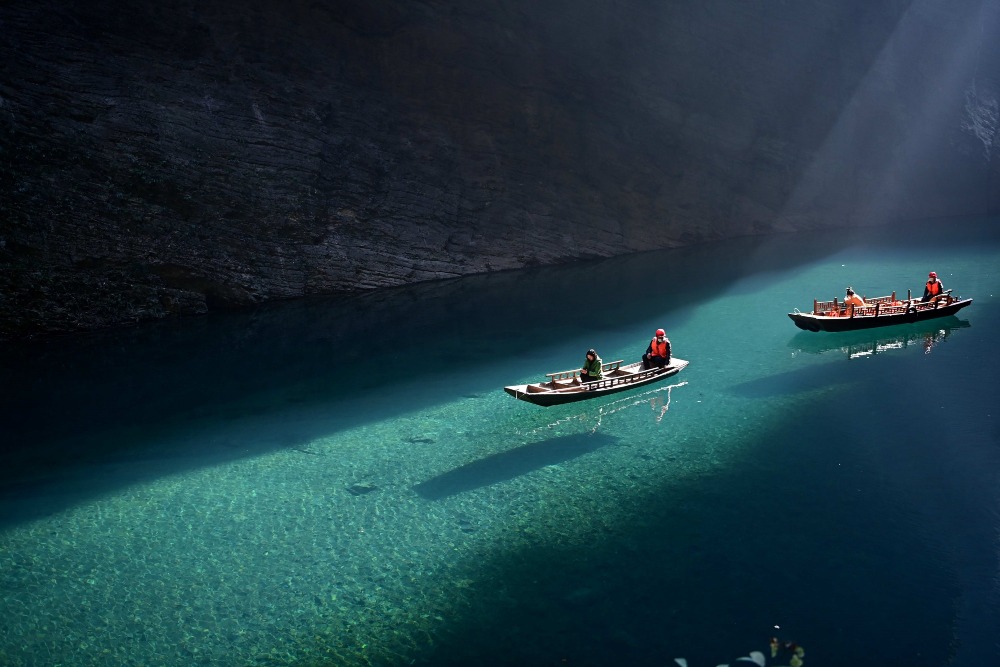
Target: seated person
[934,288]
[592,368]
[658,352]
[852,301]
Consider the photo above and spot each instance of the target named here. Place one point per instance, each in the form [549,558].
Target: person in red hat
[658,352]
[934,287]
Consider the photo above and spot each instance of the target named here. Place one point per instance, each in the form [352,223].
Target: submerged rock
[361,488]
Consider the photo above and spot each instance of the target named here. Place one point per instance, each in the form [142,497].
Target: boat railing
[835,308]
[619,380]
[826,307]
[569,375]
[610,382]
[886,300]
[888,305]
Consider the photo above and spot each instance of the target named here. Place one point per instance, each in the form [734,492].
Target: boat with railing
[566,387]
[878,311]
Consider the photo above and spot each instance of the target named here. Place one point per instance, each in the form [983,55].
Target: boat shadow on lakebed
[511,464]
[853,345]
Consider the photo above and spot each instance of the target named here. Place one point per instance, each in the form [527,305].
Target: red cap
[932,274]
[661,332]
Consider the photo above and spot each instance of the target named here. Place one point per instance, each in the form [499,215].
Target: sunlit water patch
[323,510]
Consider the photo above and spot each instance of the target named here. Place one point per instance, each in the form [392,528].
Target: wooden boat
[878,312]
[565,386]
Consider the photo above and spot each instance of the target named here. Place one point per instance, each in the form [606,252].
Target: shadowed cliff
[162,159]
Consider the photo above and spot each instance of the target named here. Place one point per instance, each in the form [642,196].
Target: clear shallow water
[264,489]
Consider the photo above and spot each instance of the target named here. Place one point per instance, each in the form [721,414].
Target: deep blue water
[343,481]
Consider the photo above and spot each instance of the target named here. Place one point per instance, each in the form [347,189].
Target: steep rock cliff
[170,158]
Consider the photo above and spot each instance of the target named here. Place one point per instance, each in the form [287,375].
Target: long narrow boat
[878,312]
[565,386]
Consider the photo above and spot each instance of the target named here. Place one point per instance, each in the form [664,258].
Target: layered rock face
[171,158]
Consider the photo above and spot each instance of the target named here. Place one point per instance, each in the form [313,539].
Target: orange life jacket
[659,349]
[933,287]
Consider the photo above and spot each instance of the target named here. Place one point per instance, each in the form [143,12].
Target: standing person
[853,301]
[933,288]
[592,368]
[658,352]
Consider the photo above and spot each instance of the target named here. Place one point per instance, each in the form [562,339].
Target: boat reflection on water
[867,342]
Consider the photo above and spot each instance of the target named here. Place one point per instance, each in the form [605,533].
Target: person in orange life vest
[592,370]
[933,288]
[658,352]
[853,301]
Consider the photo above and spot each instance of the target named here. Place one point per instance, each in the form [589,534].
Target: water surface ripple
[344,482]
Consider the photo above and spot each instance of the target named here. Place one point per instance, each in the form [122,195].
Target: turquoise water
[344,482]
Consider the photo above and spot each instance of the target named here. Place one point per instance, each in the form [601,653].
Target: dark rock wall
[170,158]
